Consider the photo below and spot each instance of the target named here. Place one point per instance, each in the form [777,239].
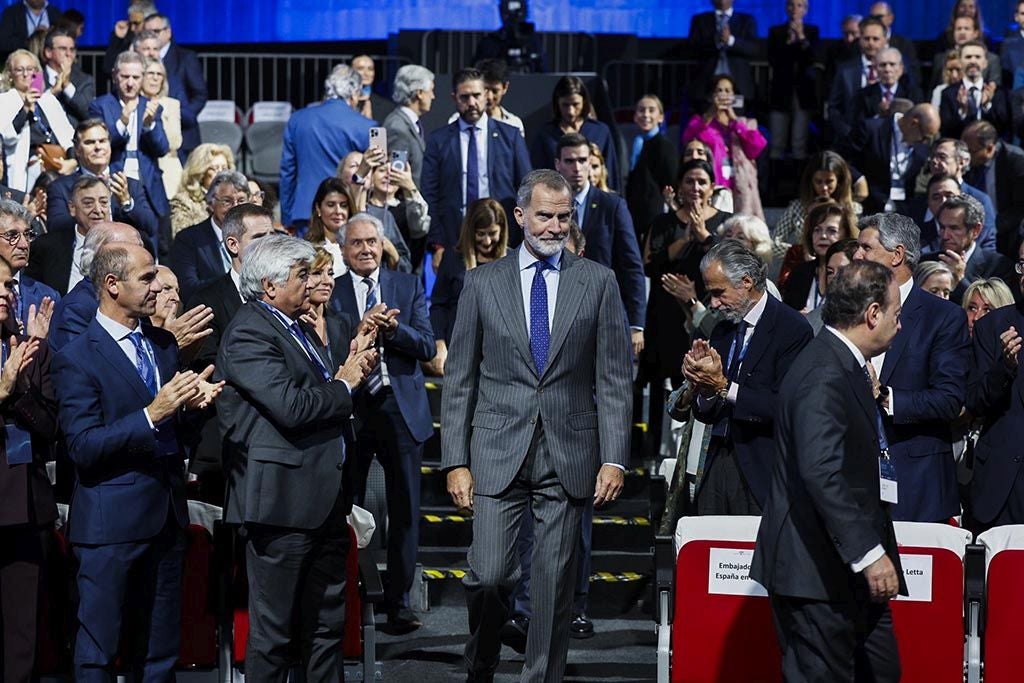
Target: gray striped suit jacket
[493,397]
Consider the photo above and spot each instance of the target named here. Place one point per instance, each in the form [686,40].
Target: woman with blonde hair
[984,296]
[154,87]
[188,206]
[598,170]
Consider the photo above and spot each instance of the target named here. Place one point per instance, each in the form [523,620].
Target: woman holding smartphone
[31,118]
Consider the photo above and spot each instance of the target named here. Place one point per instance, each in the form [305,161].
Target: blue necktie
[638,146]
[375,380]
[472,168]
[540,336]
[143,364]
[371,294]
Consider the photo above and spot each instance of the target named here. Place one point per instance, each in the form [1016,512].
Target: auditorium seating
[264,138]
[220,122]
[1004,602]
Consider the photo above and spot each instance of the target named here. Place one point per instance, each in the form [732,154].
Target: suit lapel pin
[494,134]
[594,205]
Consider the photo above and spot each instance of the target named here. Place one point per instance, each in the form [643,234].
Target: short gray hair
[127,57]
[974,212]
[271,258]
[234,220]
[102,234]
[737,262]
[553,180]
[883,51]
[362,217]
[236,179]
[755,230]
[144,34]
[12,209]
[409,80]
[111,260]
[895,230]
[342,83]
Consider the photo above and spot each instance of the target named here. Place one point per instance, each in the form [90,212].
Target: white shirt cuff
[121,128]
[614,464]
[734,389]
[69,90]
[732,41]
[870,557]
[145,411]
[890,409]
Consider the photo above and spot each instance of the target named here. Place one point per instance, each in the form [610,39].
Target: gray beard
[544,248]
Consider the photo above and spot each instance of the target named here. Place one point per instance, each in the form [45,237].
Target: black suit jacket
[949,111]
[656,168]
[867,103]
[704,47]
[778,338]
[611,241]
[793,68]
[196,258]
[1008,197]
[824,511]
[845,85]
[870,150]
[25,493]
[995,394]
[51,259]
[14,29]
[58,217]
[798,285]
[77,107]
[982,264]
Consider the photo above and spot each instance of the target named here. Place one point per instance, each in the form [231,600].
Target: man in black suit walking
[826,547]
[727,41]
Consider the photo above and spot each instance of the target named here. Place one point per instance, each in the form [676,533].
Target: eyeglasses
[231,201]
[12,237]
[24,71]
[942,157]
[257,197]
[1018,267]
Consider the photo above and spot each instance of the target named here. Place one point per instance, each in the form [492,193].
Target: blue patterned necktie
[371,294]
[472,168]
[143,364]
[540,337]
[375,380]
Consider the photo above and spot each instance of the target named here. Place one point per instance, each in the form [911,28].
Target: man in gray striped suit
[535,416]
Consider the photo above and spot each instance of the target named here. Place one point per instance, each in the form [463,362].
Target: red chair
[929,624]
[1004,549]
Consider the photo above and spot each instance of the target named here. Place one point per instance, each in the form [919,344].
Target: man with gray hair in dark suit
[414,95]
[536,415]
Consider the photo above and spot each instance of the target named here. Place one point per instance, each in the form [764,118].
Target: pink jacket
[717,137]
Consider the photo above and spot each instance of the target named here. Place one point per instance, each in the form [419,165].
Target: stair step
[610,532]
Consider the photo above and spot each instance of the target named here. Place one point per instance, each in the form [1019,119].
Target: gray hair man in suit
[536,419]
[414,95]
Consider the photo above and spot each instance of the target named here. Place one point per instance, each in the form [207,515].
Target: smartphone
[400,159]
[737,102]
[379,138]
[37,82]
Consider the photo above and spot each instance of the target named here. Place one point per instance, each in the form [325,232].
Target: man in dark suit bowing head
[826,548]
[737,376]
[285,420]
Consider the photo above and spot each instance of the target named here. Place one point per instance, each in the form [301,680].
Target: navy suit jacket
[779,337]
[196,258]
[1011,56]
[953,126]
[14,29]
[152,145]
[871,150]
[316,139]
[72,314]
[32,294]
[611,241]
[995,394]
[545,144]
[412,342]
[930,231]
[123,489]
[926,371]
[507,163]
[867,102]
[845,86]
[186,73]
[141,217]
[703,45]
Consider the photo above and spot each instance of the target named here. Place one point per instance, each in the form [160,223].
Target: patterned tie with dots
[540,337]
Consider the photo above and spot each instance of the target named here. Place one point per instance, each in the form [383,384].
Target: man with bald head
[876,99]
[890,152]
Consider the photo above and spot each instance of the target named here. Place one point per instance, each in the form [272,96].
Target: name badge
[887,485]
[897,194]
[19,445]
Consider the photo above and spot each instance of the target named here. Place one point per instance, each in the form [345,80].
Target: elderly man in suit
[129,202]
[183,67]
[853,75]
[536,412]
[22,20]
[316,139]
[121,400]
[725,41]
[923,376]
[891,152]
[875,99]
[137,138]
[995,393]
[198,254]
[285,419]
[73,88]
[826,547]
[414,95]
[960,219]
[997,169]
[16,237]
[487,158]
[737,390]
[394,411]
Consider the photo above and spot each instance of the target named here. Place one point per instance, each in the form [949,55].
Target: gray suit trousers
[494,567]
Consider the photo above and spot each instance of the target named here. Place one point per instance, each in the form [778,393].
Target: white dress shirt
[362,292]
[483,182]
[978,86]
[551,275]
[236,277]
[76,261]
[752,317]
[52,76]
[120,334]
[580,204]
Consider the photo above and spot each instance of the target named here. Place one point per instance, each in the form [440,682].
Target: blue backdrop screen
[256,21]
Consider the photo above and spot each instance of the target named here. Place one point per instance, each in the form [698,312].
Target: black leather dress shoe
[402,621]
[581,627]
[513,633]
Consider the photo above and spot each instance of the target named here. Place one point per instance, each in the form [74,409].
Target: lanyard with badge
[887,485]
[898,169]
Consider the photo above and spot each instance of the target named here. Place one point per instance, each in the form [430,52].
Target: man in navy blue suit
[316,139]
[725,41]
[120,397]
[393,407]
[129,202]
[922,377]
[137,138]
[1011,52]
[736,376]
[21,20]
[198,255]
[853,75]
[16,235]
[499,164]
[184,70]
[995,393]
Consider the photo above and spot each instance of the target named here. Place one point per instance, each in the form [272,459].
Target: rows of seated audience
[917,171]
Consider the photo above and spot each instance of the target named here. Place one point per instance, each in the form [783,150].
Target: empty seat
[264,137]
[220,122]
